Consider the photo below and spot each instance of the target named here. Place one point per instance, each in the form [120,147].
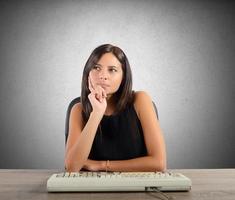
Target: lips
[104,85]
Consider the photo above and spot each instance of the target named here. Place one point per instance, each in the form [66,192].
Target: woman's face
[107,73]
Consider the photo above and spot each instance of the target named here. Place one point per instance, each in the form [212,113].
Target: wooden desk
[208,184]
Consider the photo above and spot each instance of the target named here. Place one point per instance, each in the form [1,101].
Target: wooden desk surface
[208,184]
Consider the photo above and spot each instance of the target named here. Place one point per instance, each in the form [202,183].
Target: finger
[104,95]
[99,97]
[100,91]
[92,97]
[97,88]
[91,80]
[90,85]
[96,95]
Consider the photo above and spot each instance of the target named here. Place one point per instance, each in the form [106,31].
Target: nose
[103,75]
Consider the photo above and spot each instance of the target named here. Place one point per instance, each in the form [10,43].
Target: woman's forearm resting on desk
[147,163]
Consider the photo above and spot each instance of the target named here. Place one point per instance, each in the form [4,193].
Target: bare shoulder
[141,100]
[76,114]
[141,95]
[77,108]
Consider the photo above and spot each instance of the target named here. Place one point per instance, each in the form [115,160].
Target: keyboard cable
[163,195]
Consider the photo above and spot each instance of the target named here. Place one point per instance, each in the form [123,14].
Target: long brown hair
[123,96]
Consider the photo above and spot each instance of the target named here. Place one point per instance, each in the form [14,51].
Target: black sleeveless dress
[119,137]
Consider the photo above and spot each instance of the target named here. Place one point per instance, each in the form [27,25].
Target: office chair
[77,100]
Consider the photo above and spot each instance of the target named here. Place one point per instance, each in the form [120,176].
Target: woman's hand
[97,97]
[94,165]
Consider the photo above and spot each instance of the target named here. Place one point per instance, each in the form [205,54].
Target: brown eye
[113,70]
[96,67]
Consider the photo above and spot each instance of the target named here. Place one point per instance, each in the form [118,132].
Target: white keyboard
[117,181]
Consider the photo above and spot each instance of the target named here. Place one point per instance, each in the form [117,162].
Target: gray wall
[181,53]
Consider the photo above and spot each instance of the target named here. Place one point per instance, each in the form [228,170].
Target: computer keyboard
[84,181]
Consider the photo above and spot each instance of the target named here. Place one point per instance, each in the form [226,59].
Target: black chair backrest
[72,103]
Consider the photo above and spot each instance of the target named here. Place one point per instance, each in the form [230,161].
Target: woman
[113,128]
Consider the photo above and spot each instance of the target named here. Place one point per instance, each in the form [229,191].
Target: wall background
[181,52]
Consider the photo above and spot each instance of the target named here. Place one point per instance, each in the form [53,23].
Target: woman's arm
[80,141]
[153,135]
[146,163]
